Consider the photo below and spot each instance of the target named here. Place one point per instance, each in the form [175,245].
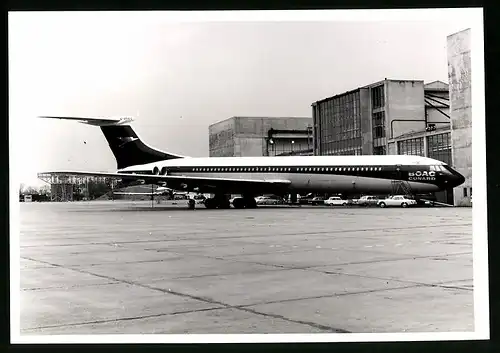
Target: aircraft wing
[136,193]
[183,182]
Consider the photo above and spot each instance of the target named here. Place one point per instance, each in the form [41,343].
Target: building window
[471,192]
[414,147]
[378,125]
[465,192]
[439,147]
[339,125]
[381,150]
[378,97]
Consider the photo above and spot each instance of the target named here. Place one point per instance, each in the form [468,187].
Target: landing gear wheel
[210,203]
[224,204]
[239,203]
[250,203]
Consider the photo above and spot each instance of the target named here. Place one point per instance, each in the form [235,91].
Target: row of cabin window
[273,169]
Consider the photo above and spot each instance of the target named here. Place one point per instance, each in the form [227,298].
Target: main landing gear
[244,202]
[219,201]
[222,202]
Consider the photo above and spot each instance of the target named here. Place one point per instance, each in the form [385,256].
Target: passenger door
[398,174]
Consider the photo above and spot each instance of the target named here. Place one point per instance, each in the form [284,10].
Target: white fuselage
[307,173]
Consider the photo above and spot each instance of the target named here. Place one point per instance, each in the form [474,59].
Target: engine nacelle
[156,171]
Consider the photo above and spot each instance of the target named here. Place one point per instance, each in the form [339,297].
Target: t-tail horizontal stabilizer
[125,144]
[94,121]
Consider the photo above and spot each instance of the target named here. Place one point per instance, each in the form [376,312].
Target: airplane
[253,176]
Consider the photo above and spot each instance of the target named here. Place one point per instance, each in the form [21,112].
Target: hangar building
[261,136]
[386,117]
[370,119]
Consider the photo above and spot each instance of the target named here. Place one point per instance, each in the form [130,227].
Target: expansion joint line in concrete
[419,284]
[203,299]
[339,264]
[66,287]
[328,296]
[310,268]
[246,236]
[95,322]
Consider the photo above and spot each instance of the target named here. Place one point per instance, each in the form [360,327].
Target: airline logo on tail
[126,140]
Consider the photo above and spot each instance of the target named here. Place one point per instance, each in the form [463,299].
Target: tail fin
[126,146]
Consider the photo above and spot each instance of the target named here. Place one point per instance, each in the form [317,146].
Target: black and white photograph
[247,176]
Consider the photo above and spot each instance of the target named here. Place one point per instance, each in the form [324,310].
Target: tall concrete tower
[459,75]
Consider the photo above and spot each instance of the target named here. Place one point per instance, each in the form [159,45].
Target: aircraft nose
[452,177]
[458,179]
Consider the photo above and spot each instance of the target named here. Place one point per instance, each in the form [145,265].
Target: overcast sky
[177,78]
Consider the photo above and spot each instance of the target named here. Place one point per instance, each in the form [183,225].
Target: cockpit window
[437,168]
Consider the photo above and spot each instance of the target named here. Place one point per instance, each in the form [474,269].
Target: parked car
[367,201]
[267,200]
[397,200]
[335,201]
[305,200]
[318,200]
